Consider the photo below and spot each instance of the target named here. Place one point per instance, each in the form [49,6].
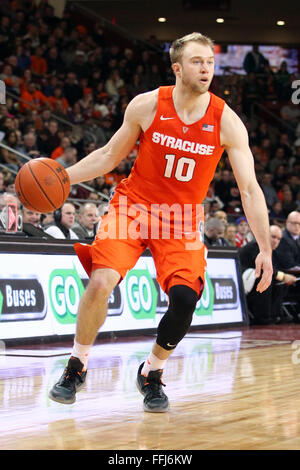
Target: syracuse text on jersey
[184,145]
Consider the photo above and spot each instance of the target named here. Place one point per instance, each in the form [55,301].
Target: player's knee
[182,300]
[101,285]
[178,318]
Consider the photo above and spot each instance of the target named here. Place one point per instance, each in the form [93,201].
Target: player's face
[197,67]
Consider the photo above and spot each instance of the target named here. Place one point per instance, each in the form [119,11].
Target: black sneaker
[73,378]
[155,401]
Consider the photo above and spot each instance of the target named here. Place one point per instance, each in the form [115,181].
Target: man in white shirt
[64,218]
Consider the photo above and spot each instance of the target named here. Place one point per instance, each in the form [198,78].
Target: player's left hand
[263,268]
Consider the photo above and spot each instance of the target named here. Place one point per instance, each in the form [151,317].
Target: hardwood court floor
[234,389]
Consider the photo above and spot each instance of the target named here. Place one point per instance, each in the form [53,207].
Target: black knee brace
[178,318]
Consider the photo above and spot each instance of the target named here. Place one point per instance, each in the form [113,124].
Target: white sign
[40,294]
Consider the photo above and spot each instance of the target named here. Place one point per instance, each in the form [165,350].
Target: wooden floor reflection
[228,390]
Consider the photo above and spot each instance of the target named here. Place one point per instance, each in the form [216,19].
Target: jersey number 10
[184,168]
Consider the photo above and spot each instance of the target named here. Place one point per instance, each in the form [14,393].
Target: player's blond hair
[178,45]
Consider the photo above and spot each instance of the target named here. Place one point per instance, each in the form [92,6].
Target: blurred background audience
[67,88]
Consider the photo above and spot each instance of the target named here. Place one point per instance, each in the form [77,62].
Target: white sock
[152,363]
[81,351]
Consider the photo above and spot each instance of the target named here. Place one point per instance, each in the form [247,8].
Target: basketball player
[183,131]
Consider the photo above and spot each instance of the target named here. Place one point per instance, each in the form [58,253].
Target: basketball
[42,185]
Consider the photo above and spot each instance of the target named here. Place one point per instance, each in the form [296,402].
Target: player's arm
[105,159]
[234,138]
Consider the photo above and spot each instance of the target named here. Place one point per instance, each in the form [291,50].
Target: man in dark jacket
[288,252]
[265,308]
[287,256]
[87,219]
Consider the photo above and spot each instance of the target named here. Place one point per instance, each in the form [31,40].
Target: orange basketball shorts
[126,232]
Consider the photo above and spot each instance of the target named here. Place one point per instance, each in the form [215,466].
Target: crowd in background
[68,86]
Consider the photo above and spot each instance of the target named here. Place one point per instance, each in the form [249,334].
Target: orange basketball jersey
[176,161]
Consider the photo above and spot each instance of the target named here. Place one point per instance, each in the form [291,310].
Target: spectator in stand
[102,104]
[31,98]
[293,180]
[79,66]
[88,218]
[268,190]
[294,163]
[7,123]
[31,217]
[32,35]
[223,187]
[290,113]
[276,215]
[8,198]
[113,84]
[136,86]
[254,61]
[216,205]
[288,251]
[154,78]
[9,184]
[25,80]
[265,151]
[265,307]
[230,234]
[287,256]
[242,229]
[9,158]
[64,219]
[47,219]
[87,101]
[68,158]
[279,177]
[58,151]
[54,62]
[118,174]
[278,159]
[263,132]
[38,64]
[12,82]
[58,97]
[222,216]
[251,92]
[71,89]
[29,146]
[214,232]
[76,115]
[101,185]
[285,143]
[288,204]
[283,81]
[53,139]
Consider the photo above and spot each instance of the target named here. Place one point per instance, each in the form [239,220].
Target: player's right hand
[263,268]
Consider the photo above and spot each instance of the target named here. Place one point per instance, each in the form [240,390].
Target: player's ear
[176,67]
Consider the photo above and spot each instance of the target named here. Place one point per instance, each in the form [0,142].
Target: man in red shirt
[31,98]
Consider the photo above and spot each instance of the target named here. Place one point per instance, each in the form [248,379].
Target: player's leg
[93,305]
[108,259]
[180,273]
[91,315]
[171,329]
